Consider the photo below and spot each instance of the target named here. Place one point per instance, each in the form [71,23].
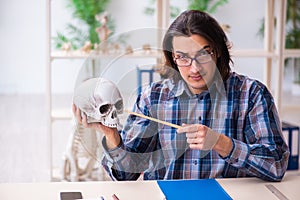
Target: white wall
[22,39]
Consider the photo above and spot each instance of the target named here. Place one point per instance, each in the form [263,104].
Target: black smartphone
[70,195]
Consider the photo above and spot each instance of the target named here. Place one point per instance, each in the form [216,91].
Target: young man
[229,123]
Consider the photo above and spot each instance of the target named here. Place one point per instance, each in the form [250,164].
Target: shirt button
[195,162]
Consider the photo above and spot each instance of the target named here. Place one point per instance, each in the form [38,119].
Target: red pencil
[115,197]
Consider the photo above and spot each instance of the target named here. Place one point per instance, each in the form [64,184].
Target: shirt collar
[180,87]
[177,88]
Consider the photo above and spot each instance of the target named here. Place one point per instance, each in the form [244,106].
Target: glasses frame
[195,59]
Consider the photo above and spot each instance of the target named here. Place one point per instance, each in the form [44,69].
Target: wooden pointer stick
[153,119]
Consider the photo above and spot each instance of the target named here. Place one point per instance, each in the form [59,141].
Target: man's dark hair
[192,22]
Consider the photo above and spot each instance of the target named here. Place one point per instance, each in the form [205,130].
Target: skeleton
[100,100]
[81,154]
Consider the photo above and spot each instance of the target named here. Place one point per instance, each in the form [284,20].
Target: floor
[23,136]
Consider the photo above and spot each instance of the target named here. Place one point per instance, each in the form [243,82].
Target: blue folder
[192,189]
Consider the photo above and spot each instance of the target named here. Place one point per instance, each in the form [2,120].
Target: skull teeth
[111,125]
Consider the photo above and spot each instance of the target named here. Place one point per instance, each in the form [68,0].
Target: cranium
[100,100]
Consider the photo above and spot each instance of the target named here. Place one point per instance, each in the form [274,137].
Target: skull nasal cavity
[104,109]
[114,115]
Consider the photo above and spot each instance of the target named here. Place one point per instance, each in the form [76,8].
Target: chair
[140,73]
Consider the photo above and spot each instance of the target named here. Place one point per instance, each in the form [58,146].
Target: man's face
[197,73]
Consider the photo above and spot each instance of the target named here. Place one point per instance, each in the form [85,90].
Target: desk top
[253,188]
[132,190]
[237,188]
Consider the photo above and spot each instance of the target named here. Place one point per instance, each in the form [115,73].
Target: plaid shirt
[244,111]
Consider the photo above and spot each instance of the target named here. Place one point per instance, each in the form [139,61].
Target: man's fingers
[188,128]
[84,120]
[73,108]
[77,113]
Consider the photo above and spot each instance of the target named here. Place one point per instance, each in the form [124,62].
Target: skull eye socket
[104,108]
[119,105]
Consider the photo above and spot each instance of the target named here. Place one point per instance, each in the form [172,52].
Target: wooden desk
[241,188]
[253,188]
[130,190]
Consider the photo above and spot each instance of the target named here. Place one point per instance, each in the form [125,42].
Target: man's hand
[112,136]
[203,138]
[199,136]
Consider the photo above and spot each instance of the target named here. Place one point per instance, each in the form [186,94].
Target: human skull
[100,100]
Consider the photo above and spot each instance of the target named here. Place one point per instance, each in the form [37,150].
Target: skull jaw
[108,123]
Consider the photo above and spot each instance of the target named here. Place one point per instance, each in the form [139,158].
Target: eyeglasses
[201,58]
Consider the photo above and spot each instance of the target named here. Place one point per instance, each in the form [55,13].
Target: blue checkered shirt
[244,111]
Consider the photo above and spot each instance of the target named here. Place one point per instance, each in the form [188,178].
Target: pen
[153,119]
[115,197]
